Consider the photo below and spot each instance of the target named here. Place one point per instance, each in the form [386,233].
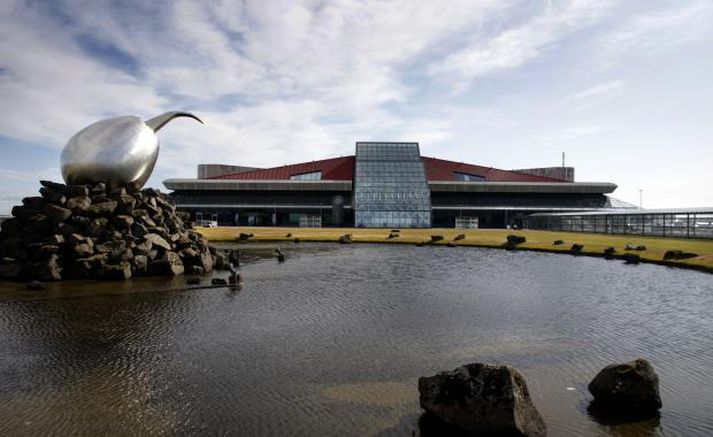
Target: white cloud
[656,31]
[594,96]
[514,47]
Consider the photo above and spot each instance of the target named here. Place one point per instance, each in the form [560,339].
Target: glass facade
[679,224]
[390,187]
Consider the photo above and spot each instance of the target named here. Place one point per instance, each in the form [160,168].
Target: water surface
[332,342]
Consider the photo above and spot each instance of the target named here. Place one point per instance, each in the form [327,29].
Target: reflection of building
[384,185]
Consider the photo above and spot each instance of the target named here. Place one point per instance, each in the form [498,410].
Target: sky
[624,88]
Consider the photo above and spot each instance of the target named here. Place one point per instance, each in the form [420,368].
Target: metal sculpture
[118,151]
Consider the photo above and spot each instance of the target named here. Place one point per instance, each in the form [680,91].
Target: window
[390,186]
[312,176]
[467,177]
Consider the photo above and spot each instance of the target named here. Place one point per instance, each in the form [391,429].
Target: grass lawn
[594,244]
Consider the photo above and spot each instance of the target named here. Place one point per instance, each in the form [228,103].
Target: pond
[333,341]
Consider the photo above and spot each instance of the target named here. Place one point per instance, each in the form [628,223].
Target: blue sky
[624,88]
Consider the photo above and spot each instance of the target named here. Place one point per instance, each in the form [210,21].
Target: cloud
[653,32]
[515,47]
[594,96]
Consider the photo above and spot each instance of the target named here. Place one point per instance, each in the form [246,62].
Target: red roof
[334,169]
[442,170]
[342,169]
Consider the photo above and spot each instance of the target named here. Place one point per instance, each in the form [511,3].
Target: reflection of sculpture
[119,151]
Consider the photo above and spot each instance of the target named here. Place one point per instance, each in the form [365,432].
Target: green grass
[594,244]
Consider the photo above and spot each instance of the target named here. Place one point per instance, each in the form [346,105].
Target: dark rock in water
[632,386]
[115,272]
[451,244]
[218,281]
[631,258]
[576,249]
[609,253]
[482,398]
[678,254]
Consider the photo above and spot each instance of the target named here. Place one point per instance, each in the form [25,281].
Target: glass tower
[390,187]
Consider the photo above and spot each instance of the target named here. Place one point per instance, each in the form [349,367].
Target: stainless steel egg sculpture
[119,151]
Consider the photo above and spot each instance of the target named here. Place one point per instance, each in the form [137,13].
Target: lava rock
[632,386]
[678,254]
[631,258]
[139,265]
[123,221]
[10,269]
[157,241]
[609,253]
[482,398]
[81,246]
[79,204]
[169,264]
[116,272]
[103,209]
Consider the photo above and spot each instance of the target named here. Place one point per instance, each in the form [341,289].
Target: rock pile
[84,231]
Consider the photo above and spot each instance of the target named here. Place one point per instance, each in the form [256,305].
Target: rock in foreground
[482,398]
[632,386]
[83,231]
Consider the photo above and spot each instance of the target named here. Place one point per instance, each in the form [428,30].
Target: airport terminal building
[384,185]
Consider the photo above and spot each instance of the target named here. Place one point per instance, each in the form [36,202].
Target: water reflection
[334,339]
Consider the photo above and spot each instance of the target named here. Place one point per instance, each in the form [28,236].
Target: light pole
[641,198]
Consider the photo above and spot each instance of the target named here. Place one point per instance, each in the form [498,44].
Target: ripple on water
[333,341]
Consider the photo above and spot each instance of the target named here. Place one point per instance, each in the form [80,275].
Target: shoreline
[536,241]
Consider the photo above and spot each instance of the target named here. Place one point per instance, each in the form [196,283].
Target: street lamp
[641,198]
